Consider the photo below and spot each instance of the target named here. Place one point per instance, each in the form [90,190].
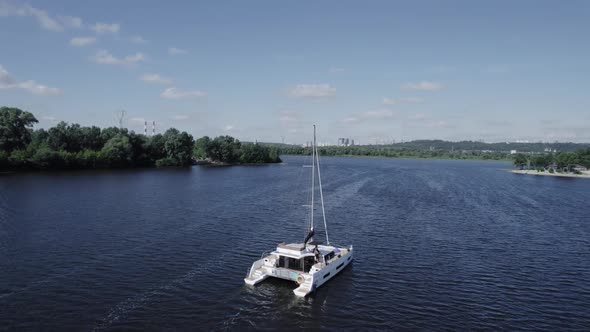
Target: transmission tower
[120,117]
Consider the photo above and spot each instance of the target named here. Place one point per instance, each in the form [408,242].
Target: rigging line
[322,197]
[312,177]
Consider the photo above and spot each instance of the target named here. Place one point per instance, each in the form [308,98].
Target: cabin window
[348,258]
[326,275]
[328,256]
[339,266]
[294,264]
[282,261]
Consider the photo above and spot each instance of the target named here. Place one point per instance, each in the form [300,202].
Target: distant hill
[471,146]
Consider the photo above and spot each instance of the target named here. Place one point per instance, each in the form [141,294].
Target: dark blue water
[440,245]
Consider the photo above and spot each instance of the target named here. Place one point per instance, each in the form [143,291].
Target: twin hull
[309,281]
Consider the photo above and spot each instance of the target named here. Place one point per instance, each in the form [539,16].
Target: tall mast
[317,155]
[312,177]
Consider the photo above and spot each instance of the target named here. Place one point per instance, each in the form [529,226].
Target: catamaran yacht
[310,264]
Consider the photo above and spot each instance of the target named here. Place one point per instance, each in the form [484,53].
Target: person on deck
[316,252]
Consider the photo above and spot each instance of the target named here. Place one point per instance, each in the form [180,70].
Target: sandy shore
[584,175]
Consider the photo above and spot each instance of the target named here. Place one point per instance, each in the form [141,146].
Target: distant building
[579,168]
[513,152]
[344,141]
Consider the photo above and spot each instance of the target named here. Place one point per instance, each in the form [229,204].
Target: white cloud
[103,28]
[180,117]
[82,41]
[43,18]
[351,119]
[424,86]
[229,128]
[138,40]
[106,58]
[395,101]
[312,91]
[155,78]
[175,93]
[176,51]
[381,114]
[8,82]
[335,70]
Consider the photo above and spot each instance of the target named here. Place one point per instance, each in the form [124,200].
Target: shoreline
[406,158]
[584,175]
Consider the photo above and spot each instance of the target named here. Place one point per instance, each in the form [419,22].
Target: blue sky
[373,71]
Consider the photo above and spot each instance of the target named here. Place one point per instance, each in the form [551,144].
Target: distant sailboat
[310,264]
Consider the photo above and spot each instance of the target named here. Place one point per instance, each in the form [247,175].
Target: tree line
[71,146]
[393,152]
[554,161]
[226,149]
[538,147]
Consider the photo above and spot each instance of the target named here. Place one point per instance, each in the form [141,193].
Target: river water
[439,245]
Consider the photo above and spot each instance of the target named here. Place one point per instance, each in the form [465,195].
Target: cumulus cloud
[106,58]
[229,128]
[176,51]
[7,82]
[82,41]
[312,91]
[155,78]
[104,28]
[138,40]
[175,93]
[43,18]
[423,86]
[395,101]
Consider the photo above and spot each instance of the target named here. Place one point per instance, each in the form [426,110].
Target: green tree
[224,149]
[155,148]
[520,160]
[91,138]
[117,151]
[179,146]
[200,150]
[15,128]
[66,137]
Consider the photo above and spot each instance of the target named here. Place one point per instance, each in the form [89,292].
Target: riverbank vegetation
[71,146]
[394,152]
[228,150]
[560,162]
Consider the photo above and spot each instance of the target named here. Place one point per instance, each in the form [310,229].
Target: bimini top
[294,250]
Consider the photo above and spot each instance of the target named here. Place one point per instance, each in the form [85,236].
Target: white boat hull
[308,282]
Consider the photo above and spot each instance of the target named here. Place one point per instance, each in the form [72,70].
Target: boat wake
[122,309]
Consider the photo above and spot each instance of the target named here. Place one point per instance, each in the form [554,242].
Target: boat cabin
[296,256]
